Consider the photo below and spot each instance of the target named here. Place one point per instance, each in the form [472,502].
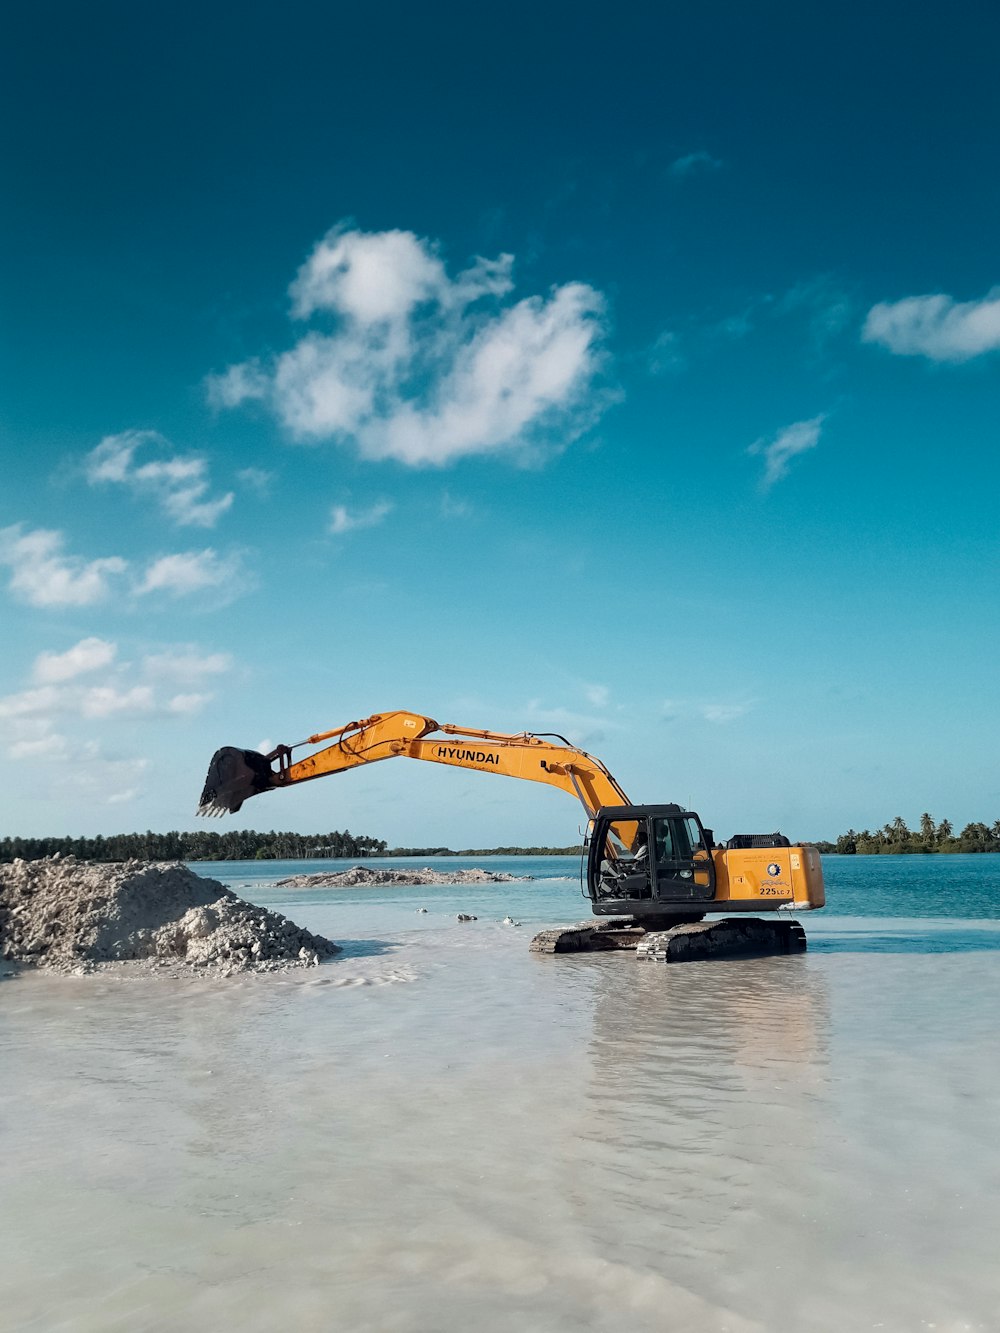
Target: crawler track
[693,941]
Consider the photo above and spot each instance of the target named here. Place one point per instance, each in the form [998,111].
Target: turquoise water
[886,903]
[438,1131]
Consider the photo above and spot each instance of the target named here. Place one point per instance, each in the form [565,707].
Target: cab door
[683,869]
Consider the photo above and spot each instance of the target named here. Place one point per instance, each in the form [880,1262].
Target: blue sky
[630,374]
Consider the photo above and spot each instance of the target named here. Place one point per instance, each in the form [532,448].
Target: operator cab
[649,861]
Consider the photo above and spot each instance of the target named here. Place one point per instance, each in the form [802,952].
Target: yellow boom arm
[412,736]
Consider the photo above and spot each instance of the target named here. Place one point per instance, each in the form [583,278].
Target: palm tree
[928,831]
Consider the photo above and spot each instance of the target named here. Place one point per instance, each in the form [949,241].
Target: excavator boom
[235,775]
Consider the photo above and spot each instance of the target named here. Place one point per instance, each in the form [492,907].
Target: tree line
[897,838]
[233,845]
[486,851]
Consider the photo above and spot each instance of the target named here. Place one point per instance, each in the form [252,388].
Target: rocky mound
[75,916]
[367,877]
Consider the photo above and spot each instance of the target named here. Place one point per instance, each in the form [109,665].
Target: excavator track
[732,937]
[590,936]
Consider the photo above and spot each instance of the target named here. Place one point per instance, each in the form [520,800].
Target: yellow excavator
[653,872]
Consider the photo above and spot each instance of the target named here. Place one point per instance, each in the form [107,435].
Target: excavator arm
[235,775]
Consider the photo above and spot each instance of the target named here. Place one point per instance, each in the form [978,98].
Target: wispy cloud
[597,695]
[189,572]
[51,746]
[716,712]
[185,705]
[100,778]
[778,453]
[256,479]
[179,484]
[78,765]
[822,302]
[87,701]
[665,356]
[59,693]
[343,520]
[693,164]
[719,714]
[579,728]
[937,327]
[422,367]
[43,575]
[455,506]
[187,665]
[112,700]
[119,699]
[85,656]
[827,304]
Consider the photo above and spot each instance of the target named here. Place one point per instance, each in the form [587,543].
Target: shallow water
[439,1131]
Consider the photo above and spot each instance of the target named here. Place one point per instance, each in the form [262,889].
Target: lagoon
[437,1130]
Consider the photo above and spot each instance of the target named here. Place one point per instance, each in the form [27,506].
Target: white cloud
[779,452]
[424,368]
[189,572]
[95,776]
[27,718]
[122,797]
[694,163]
[179,484]
[109,700]
[368,276]
[938,327]
[342,520]
[94,701]
[52,746]
[185,705]
[30,703]
[239,384]
[87,655]
[42,575]
[187,665]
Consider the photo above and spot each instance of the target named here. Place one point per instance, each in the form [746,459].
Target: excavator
[652,873]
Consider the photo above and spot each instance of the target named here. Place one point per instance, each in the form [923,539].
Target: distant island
[238,845]
[897,839]
[485,851]
[249,845]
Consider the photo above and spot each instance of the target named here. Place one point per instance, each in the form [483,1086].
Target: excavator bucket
[233,777]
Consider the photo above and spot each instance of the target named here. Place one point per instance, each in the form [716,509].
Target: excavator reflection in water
[653,872]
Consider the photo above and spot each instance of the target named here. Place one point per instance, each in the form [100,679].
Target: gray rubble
[364,877]
[74,916]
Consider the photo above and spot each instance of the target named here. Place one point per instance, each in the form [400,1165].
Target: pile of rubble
[364,877]
[79,916]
